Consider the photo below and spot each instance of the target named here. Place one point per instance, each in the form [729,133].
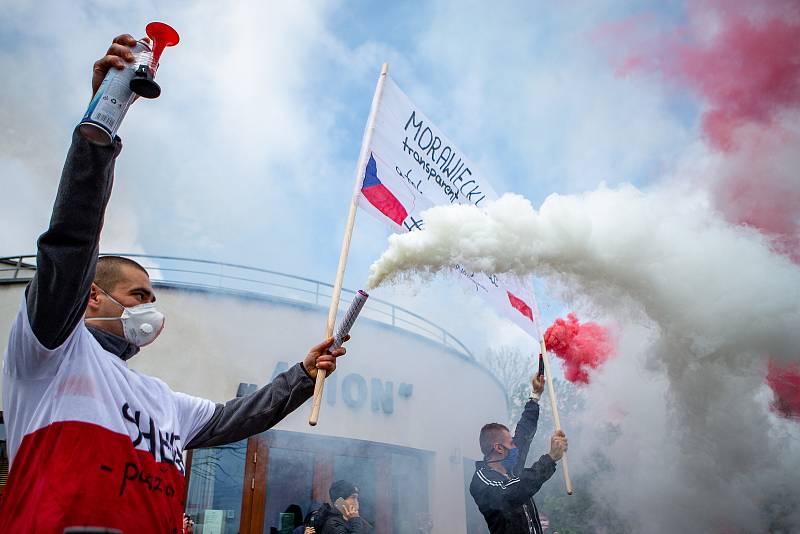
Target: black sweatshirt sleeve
[531,479]
[523,434]
[67,252]
[252,414]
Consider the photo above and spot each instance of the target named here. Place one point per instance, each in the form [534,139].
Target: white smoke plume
[717,301]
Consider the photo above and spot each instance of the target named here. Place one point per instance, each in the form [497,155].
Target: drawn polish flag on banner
[520,305]
[380,196]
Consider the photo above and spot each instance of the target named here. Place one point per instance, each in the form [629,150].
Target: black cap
[343,489]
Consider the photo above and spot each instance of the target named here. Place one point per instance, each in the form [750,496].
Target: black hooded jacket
[506,501]
[328,520]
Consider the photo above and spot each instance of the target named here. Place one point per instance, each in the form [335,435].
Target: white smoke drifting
[716,302]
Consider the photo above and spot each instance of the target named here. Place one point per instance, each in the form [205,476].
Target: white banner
[412,166]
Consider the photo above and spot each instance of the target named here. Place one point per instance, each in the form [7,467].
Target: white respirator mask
[141,324]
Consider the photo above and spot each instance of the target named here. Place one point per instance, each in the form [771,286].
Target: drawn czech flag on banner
[380,196]
[520,305]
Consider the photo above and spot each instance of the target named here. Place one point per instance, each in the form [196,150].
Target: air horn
[121,87]
[143,82]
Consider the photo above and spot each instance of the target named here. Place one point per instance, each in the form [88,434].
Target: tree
[513,370]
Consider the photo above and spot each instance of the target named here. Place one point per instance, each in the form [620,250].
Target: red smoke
[742,58]
[749,75]
[748,71]
[758,186]
[582,346]
[785,384]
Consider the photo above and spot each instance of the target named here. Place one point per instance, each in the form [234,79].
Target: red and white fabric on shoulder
[91,442]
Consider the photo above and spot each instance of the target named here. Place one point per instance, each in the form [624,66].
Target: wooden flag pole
[319,385]
[554,406]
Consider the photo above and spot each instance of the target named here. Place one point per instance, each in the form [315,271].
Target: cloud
[531,98]
[235,158]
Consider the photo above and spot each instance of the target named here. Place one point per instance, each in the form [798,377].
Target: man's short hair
[490,434]
[110,271]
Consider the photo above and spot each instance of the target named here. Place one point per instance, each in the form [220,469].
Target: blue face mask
[510,461]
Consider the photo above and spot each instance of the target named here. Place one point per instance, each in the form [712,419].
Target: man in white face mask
[139,321]
[90,441]
[132,314]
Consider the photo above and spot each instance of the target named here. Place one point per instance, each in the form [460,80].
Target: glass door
[216,483]
[290,476]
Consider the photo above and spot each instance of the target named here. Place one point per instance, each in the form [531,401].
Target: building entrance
[244,487]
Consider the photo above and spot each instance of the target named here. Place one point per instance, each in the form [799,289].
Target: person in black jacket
[502,486]
[342,517]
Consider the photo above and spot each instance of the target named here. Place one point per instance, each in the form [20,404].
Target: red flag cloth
[520,305]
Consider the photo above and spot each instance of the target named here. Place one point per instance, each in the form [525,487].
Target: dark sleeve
[523,434]
[252,414]
[67,252]
[487,500]
[532,478]
[492,496]
[337,525]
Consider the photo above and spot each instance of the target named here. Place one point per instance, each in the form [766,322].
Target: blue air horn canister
[121,87]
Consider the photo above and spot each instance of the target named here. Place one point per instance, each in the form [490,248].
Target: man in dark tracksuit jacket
[331,520]
[77,417]
[502,487]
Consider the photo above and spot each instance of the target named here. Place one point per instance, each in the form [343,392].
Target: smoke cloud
[743,60]
[720,286]
[662,251]
[582,347]
[716,299]
[748,70]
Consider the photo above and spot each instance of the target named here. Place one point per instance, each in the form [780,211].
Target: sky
[248,156]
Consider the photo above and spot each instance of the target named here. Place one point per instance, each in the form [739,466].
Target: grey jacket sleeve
[252,414]
[67,252]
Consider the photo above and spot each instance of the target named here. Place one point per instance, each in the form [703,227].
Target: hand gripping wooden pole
[363,157]
[554,406]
